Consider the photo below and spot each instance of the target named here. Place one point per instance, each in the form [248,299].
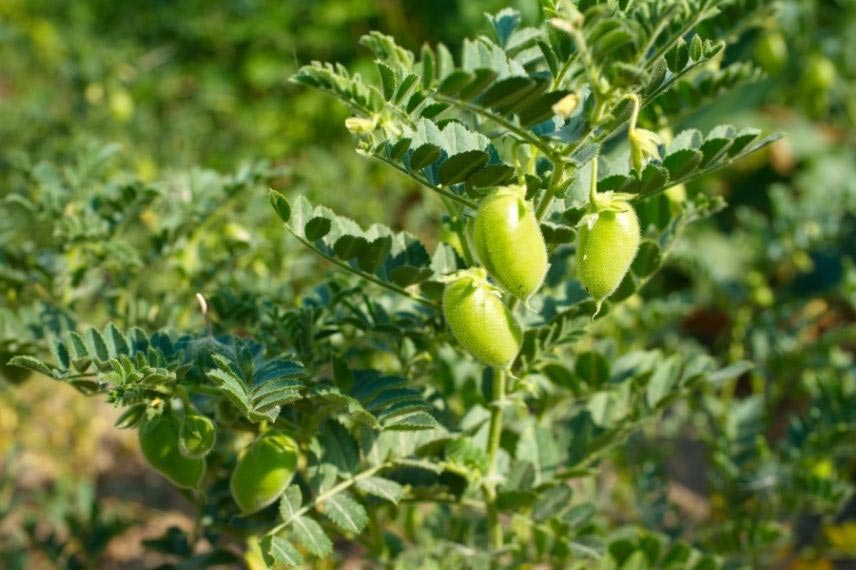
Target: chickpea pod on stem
[480,321]
[509,242]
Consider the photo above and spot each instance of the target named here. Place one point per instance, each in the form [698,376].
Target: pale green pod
[196,436]
[509,242]
[480,321]
[263,472]
[160,446]
[607,243]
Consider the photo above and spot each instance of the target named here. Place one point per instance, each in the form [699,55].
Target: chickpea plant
[546,149]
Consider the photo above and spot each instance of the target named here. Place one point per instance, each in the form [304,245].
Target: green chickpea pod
[264,470]
[509,243]
[159,442]
[607,242]
[480,321]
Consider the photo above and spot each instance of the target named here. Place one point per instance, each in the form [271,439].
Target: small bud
[360,125]
[568,18]
[563,25]
[643,144]
[565,106]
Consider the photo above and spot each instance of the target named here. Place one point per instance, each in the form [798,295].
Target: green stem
[557,81]
[332,491]
[655,35]
[521,132]
[489,486]
[593,183]
[459,227]
[701,15]
[441,191]
[378,544]
[548,197]
[634,116]
[366,276]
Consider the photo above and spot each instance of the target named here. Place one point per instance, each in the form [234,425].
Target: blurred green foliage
[183,109]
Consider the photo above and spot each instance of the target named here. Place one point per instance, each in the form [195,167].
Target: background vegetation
[137,140]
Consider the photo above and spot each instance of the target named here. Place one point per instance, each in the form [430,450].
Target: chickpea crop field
[408,285]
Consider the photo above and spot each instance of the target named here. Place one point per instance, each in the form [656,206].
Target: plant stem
[378,544]
[593,183]
[489,486]
[459,226]
[343,486]
[365,275]
[547,199]
[521,132]
[439,190]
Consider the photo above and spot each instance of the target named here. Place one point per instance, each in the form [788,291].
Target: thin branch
[319,500]
[367,276]
[522,133]
[661,26]
[701,15]
[592,135]
[494,435]
[547,199]
[700,173]
[441,191]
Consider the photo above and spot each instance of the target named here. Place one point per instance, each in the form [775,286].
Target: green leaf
[373,256]
[678,56]
[346,513]
[407,275]
[389,397]
[593,368]
[60,354]
[515,499]
[383,488]
[662,381]
[425,155]
[552,502]
[648,259]
[696,48]
[282,551]
[742,140]
[538,446]
[339,447]
[730,372]
[460,167]
[610,407]
[310,534]
[388,79]
[80,358]
[713,148]
[290,502]
[280,204]
[504,23]
[317,228]
[654,178]
[350,246]
[233,387]
[682,162]
[97,345]
[414,422]
[428,66]
[31,363]
[454,82]
[116,341]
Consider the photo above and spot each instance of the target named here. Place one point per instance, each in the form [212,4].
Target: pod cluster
[507,238]
[509,244]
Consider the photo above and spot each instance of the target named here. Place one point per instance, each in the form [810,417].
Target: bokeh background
[176,107]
